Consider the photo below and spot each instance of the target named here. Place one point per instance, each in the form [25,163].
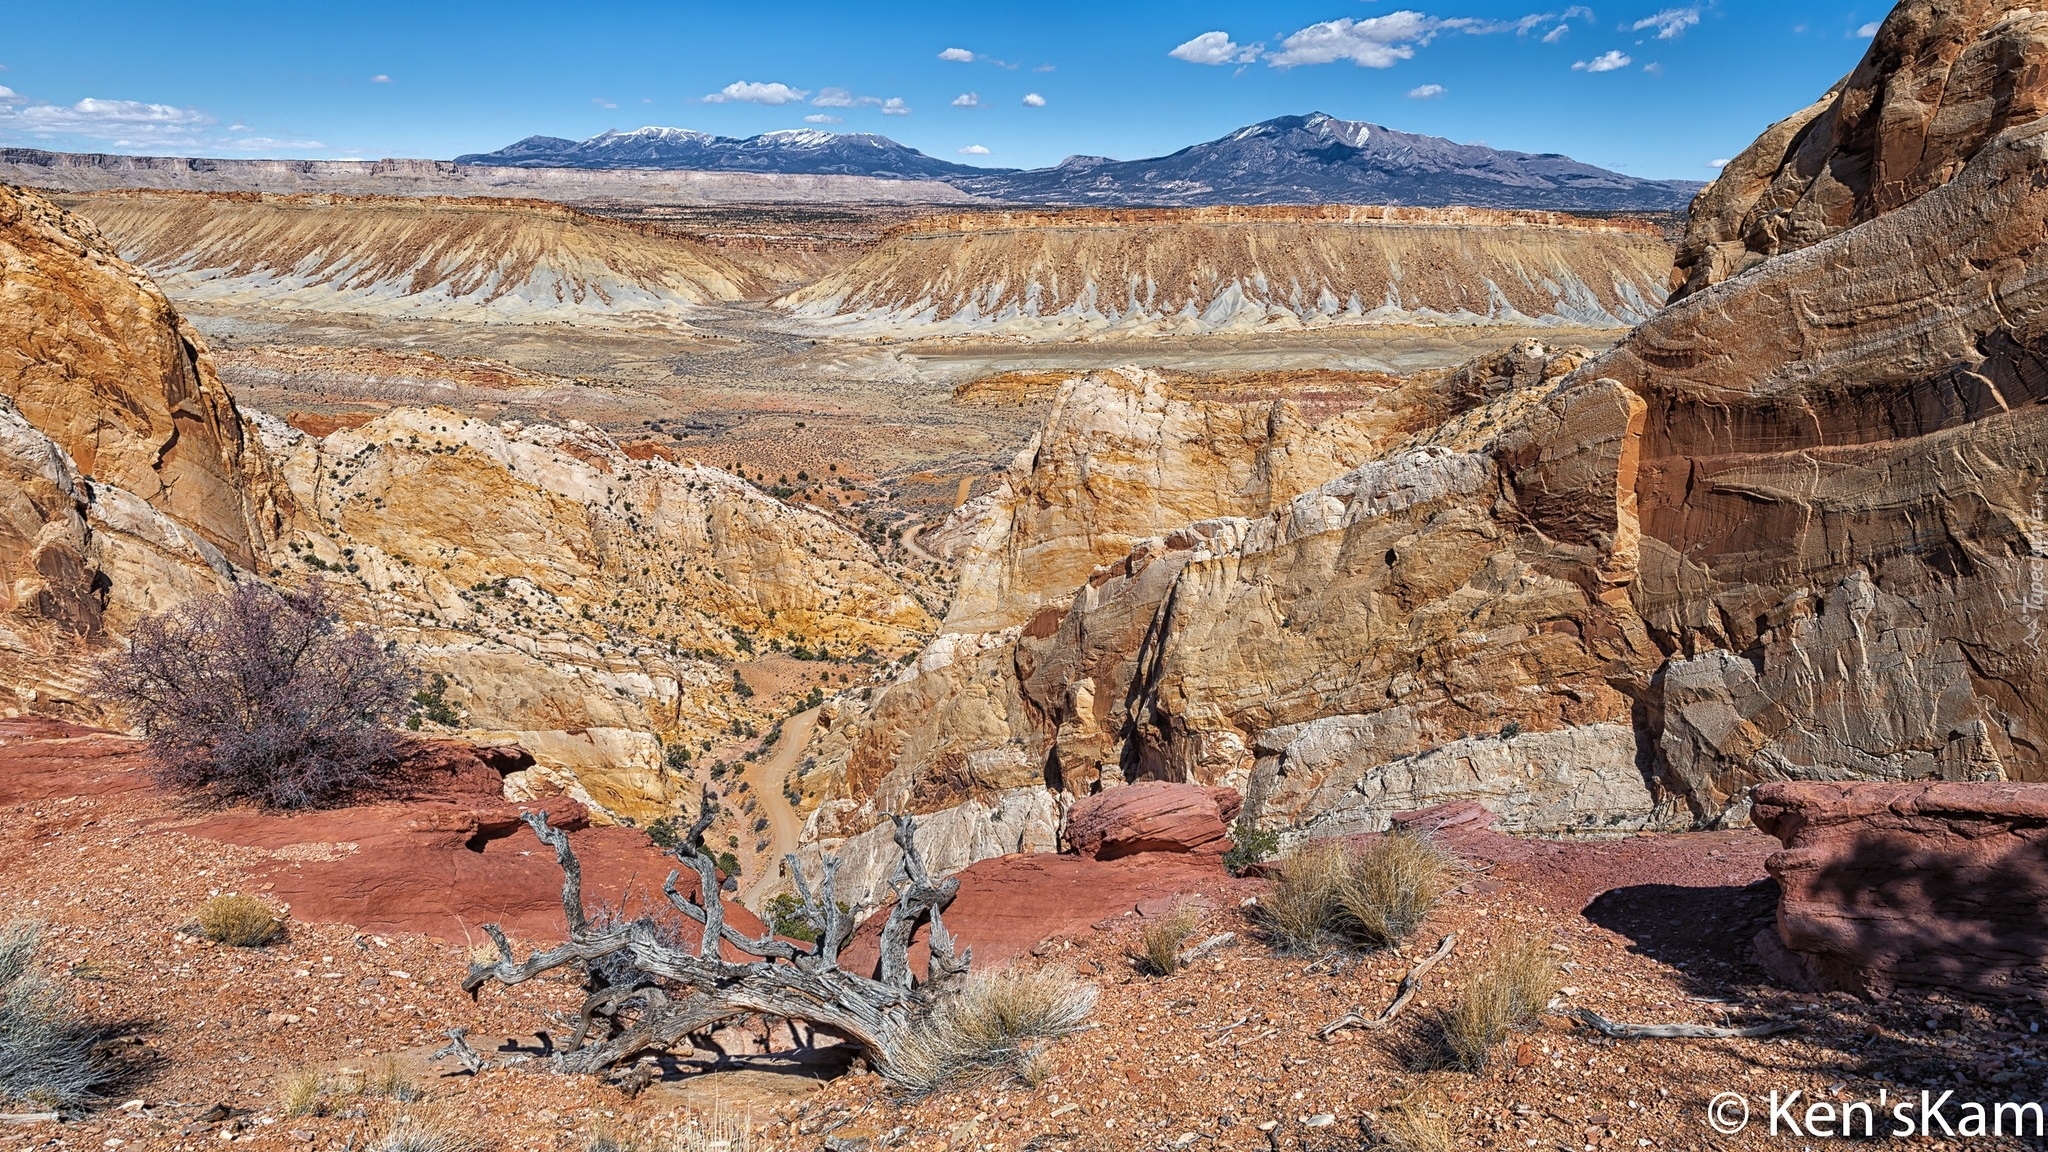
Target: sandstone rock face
[1791,527]
[1939,885]
[1117,272]
[1152,817]
[578,600]
[1940,80]
[93,355]
[1017,820]
[479,260]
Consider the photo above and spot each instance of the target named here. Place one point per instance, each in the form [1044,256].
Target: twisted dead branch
[643,996]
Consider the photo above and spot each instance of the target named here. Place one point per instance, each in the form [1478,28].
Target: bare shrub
[1160,940]
[1389,888]
[260,696]
[1509,991]
[1299,910]
[241,921]
[984,1026]
[48,1054]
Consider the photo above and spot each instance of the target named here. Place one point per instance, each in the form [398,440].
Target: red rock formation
[1153,816]
[1935,884]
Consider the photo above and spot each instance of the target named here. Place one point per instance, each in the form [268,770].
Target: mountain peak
[1315,158]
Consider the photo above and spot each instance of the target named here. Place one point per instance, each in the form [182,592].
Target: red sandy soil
[1652,929]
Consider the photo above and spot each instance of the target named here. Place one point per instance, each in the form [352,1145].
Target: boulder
[1934,883]
[1154,816]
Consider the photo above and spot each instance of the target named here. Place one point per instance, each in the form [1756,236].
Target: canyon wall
[477,260]
[1063,275]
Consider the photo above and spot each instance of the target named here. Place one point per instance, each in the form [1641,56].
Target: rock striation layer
[479,260]
[1240,270]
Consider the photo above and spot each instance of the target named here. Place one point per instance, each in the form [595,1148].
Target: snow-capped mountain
[805,151]
[1315,159]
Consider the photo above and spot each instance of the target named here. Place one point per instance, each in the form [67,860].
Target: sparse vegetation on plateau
[1250,845]
[259,696]
[239,921]
[422,1131]
[1414,1125]
[49,1054]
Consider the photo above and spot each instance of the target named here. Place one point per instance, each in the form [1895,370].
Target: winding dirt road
[764,778]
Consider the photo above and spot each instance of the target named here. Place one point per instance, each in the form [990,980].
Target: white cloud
[1384,41]
[957,55]
[380,78]
[1670,24]
[601,102]
[1557,33]
[1426,92]
[974,150]
[967,100]
[748,92]
[120,121]
[1033,100]
[841,98]
[1609,61]
[1216,48]
[821,118]
[1721,163]
[1869,30]
[7,93]
[1046,68]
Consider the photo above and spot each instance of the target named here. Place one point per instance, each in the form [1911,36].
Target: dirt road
[765,778]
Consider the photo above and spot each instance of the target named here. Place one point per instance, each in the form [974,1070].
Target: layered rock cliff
[1062,275]
[480,260]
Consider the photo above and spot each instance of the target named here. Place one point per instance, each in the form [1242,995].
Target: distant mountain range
[1315,159]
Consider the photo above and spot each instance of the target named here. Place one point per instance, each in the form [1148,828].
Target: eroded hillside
[478,260]
[1241,270]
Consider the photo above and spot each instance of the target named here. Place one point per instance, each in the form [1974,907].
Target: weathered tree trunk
[677,993]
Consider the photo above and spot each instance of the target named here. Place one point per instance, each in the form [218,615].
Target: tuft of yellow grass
[1160,940]
[1298,911]
[241,921]
[983,1027]
[1509,990]
[1389,888]
[1414,1125]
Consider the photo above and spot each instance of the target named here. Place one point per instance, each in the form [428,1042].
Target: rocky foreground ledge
[1935,884]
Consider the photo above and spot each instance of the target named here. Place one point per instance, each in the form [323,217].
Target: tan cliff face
[1098,272]
[93,354]
[573,594]
[1941,79]
[478,260]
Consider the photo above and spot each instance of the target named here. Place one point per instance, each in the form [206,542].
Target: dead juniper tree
[644,996]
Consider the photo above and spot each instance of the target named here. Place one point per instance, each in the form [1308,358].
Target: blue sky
[1647,88]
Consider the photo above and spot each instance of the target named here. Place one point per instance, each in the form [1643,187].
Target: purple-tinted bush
[262,696]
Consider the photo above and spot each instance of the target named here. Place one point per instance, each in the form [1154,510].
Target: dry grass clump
[1160,941]
[1391,886]
[984,1026]
[1300,910]
[49,1054]
[1377,896]
[423,1131]
[1412,1126]
[1509,991]
[242,921]
[306,1093]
